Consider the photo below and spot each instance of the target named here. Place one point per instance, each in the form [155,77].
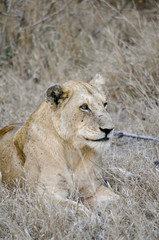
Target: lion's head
[79,113]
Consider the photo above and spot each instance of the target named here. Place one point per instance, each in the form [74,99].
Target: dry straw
[43,42]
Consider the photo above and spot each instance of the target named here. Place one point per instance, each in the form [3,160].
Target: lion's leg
[78,207]
[61,199]
[103,196]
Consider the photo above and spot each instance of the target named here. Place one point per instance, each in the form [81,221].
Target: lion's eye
[105,105]
[84,107]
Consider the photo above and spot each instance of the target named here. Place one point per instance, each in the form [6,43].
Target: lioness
[61,145]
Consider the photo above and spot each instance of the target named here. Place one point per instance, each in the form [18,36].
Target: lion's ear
[55,94]
[100,83]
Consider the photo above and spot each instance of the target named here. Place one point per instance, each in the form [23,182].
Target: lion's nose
[106,130]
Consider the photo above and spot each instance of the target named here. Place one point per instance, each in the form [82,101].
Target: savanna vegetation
[43,42]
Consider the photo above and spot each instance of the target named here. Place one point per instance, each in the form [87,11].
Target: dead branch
[52,15]
[50,7]
[3,39]
[125,134]
[117,13]
[9,15]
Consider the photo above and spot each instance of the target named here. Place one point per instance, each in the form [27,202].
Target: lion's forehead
[91,99]
[85,91]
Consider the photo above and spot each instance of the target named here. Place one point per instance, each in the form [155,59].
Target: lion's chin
[99,146]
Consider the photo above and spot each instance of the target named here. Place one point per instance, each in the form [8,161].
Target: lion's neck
[75,159]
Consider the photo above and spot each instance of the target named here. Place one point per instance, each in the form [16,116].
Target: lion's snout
[106,131]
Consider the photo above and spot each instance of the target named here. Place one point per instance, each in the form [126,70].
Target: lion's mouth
[98,140]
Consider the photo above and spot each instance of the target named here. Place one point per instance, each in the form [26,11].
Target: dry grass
[62,48]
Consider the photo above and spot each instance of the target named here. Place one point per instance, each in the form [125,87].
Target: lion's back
[10,166]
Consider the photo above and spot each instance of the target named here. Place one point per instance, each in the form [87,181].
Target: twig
[50,7]
[4,25]
[52,15]
[4,49]
[125,134]
[117,12]
[9,15]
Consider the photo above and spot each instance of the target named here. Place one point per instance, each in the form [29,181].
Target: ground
[44,42]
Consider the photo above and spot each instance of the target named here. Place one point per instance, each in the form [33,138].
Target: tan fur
[55,148]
